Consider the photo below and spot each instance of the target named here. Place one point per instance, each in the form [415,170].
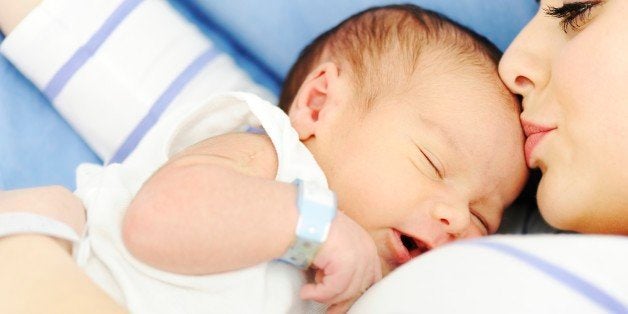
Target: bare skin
[30,285]
[12,12]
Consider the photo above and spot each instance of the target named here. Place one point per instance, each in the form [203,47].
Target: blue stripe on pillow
[561,275]
[67,71]
[162,103]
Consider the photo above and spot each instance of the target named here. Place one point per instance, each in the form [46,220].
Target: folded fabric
[112,68]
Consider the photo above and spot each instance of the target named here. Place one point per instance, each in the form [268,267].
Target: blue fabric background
[38,148]
[277,30]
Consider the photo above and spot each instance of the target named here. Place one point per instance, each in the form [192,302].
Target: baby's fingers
[343,302]
[327,289]
[319,292]
[356,287]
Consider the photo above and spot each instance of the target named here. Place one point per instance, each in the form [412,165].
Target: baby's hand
[53,202]
[346,265]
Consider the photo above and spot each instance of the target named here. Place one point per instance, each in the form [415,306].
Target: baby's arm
[13,11]
[216,207]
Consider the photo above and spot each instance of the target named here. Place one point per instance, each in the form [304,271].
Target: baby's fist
[346,265]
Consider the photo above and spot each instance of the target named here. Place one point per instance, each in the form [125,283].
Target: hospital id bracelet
[317,209]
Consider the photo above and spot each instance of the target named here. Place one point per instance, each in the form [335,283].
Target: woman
[568,65]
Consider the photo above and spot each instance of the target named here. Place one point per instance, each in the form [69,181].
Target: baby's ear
[313,98]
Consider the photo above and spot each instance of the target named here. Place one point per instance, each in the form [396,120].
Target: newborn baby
[403,112]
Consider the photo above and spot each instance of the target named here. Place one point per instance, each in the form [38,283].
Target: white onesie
[107,191]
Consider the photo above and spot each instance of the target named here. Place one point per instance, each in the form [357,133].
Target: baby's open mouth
[414,246]
[408,247]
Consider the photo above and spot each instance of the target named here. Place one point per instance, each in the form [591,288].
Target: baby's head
[405,113]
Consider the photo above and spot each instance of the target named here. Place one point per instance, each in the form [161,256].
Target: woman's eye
[573,15]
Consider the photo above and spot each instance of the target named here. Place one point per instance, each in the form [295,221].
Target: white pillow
[112,67]
[509,274]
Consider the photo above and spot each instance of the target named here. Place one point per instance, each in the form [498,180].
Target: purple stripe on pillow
[158,108]
[568,279]
[80,57]
[255,130]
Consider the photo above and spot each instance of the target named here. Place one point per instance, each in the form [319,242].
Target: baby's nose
[454,220]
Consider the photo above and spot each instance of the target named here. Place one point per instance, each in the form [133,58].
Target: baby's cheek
[368,199]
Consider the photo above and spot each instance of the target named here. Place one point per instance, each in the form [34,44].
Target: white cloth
[509,274]
[12,223]
[119,59]
[107,191]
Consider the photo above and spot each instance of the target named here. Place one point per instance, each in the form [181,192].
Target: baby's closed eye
[481,222]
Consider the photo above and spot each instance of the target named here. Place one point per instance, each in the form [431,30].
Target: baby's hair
[381,46]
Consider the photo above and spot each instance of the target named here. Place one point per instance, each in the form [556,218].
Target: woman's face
[570,65]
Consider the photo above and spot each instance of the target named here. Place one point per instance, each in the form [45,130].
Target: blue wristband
[317,209]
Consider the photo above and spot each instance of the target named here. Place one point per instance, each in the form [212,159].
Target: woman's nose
[454,220]
[525,65]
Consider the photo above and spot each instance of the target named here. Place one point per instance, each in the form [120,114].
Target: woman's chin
[578,202]
[558,203]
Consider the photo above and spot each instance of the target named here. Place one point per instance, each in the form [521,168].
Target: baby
[398,137]
[403,112]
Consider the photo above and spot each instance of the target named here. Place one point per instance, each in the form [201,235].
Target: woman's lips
[531,142]
[534,134]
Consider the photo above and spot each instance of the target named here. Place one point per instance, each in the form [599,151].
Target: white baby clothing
[107,191]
